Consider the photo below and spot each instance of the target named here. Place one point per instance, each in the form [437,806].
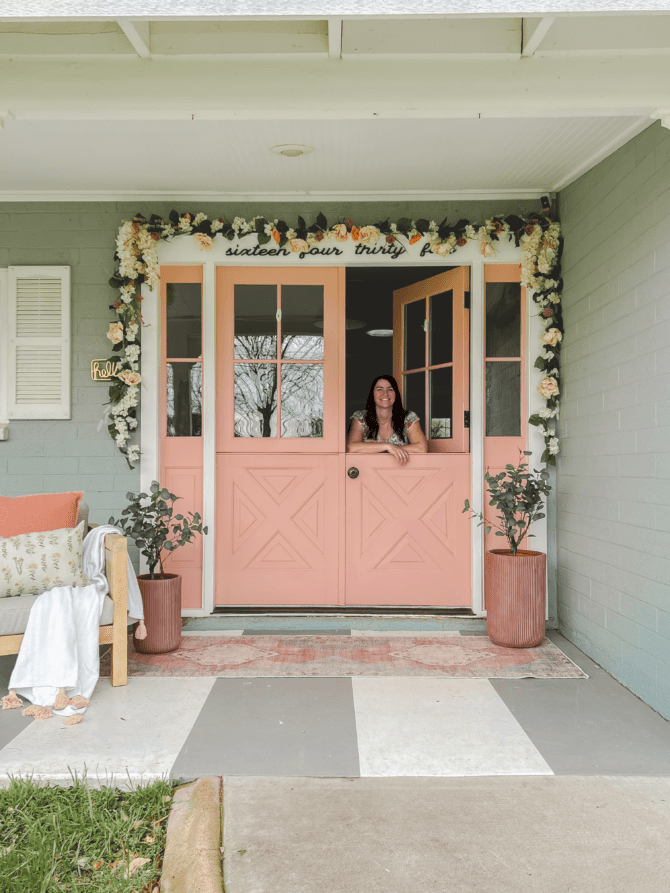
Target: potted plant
[515,577]
[149,520]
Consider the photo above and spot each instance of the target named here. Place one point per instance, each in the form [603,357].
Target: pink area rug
[469,657]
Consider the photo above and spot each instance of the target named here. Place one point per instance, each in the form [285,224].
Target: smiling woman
[384,426]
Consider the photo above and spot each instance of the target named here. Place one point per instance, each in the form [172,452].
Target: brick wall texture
[613,523]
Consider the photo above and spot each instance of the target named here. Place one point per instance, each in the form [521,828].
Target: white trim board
[402,196]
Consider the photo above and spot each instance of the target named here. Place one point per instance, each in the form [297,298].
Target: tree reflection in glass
[255,399]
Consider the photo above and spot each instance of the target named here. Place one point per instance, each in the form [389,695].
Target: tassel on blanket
[38,712]
[62,700]
[72,720]
[141,631]
[79,702]
[10,701]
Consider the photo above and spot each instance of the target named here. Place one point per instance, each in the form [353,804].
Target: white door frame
[183,251]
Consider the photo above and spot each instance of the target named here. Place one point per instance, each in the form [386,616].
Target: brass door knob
[353,473]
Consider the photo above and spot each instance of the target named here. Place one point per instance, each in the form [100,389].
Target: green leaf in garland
[174,217]
[540,363]
[535,419]
[260,225]
[302,226]
[422,226]
[281,227]
[404,225]
[230,234]
[515,223]
[263,238]
[321,221]
[283,240]
[460,225]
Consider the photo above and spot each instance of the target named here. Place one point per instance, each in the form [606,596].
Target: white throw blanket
[60,644]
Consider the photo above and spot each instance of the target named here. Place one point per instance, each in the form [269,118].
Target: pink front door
[407,541]
[294,527]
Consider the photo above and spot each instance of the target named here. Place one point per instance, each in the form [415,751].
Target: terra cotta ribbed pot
[162,614]
[515,597]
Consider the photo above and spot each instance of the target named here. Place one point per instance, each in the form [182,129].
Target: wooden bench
[114,634]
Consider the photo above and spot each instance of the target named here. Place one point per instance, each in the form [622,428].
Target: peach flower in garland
[552,337]
[276,235]
[548,387]
[115,332]
[203,241]
[355,233]
[340,232]
[298,246]
[369,234]
[487,249]
[128,377]
[414,238]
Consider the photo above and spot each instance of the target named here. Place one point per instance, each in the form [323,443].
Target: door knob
[353,473]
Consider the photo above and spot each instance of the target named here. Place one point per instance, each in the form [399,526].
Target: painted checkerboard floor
[343,727]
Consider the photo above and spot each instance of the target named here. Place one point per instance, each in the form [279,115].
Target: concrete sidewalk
[563,834]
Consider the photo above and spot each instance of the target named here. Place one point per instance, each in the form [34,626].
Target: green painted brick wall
[614,471]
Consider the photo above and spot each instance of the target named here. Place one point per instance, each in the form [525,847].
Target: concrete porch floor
[343,727]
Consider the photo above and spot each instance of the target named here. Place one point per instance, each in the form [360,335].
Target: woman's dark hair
[398,413]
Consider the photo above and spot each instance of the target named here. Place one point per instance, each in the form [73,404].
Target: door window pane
[441,400]
[301,400]
[415,335]
[302,322]
[441,328]
[503,319]
[255,400]
[184,399]
[503,399]
[184,319]
[415,393]
[256,322]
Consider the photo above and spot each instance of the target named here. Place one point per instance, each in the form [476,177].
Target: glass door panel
[431,356]
[278,358]
[442,328]
[415,335]
[441,384]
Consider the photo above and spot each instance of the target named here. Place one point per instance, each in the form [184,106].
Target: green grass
[55,839]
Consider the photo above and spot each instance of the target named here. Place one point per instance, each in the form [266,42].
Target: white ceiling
[350,157]
[393,105]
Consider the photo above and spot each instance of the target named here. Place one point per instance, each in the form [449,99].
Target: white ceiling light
[381,333]
[291,150]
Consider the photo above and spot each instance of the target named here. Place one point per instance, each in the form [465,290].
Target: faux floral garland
[538,236]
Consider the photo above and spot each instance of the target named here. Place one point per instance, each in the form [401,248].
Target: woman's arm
[356,444]
[417,439]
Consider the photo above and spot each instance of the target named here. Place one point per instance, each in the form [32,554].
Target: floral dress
[410,418]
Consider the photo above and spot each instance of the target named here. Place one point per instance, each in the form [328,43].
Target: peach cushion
[38,512]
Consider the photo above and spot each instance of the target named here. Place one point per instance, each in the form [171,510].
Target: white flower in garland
[199,218]
[553,446]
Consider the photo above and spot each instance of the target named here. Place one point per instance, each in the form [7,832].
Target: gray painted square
[591,726]
[271,727]
[11,721]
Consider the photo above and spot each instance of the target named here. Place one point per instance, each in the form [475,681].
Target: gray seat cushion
[14,613]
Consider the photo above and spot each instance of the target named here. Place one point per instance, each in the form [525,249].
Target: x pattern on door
[281,538]
[405,545]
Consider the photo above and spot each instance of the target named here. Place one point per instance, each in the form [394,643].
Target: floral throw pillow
[34,562]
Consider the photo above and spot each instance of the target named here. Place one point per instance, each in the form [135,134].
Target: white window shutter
[39,343]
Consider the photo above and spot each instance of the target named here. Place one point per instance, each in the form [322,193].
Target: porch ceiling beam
[535,39]
[138,33]
[357,89]
[335,26]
